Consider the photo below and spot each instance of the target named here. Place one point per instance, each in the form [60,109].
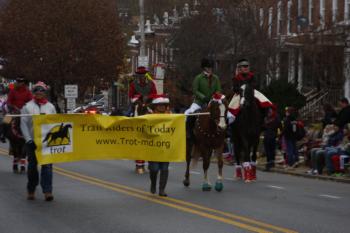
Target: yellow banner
[66,138]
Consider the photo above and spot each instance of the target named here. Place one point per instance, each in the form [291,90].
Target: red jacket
[18,97]
[149,88]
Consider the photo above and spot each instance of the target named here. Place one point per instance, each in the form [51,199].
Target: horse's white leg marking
[206,179]
[136,110]
[222,123]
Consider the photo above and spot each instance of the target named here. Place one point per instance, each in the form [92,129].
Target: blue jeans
[33,174]
[292,153]
[330,151]
[270,149]
[158,166]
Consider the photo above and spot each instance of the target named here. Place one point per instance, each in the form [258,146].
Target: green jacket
[201,89]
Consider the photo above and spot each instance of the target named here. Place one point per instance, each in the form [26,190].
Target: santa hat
[218,97]
[141,70]
[40,85]
[160,99]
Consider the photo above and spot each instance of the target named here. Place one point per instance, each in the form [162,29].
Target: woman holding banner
[160,104]
[38,105]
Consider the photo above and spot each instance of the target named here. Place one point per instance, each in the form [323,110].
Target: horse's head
[248,94]
[218,110]
[139,107]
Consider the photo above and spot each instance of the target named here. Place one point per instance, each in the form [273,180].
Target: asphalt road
[107,196]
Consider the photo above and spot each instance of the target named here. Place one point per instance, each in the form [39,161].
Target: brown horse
[12,132]
[140,108]
[208,136]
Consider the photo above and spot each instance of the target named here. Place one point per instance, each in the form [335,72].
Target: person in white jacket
[38,105]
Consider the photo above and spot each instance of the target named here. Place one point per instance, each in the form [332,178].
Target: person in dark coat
[272,123]
[329,115]
[344,114]
[290,136]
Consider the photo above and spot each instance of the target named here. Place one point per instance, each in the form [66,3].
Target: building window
[311,9]
[261,17]
[346,10]
[334,11]
[270,22]
[322,13]
[289,18]
[279,17]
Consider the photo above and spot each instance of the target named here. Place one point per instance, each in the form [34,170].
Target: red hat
[218,96]
[141,70]
[160,99]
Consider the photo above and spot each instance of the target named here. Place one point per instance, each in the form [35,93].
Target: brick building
[313,37]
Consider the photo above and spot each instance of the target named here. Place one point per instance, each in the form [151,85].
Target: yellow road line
[141,193]
[163,202]
[189,204]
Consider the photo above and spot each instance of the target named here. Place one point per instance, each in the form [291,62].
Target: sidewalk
[301,170]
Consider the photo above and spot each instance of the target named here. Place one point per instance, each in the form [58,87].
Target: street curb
[319,177]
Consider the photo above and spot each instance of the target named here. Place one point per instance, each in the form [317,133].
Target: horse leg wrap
[253,170]
[238,172]
[219,186]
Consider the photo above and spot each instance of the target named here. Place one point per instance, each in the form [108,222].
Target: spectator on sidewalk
[330,115]
[343,117]
[290,137]
[272,123]
[330,139]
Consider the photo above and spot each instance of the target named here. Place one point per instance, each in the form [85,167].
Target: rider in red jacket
[141,87]
[19,96]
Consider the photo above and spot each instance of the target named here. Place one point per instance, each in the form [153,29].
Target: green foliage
[283,94]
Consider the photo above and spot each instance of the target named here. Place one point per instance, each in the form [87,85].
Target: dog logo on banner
[57,138]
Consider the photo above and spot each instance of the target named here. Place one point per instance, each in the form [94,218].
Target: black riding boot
[163,179]
[153,175]
[190,122]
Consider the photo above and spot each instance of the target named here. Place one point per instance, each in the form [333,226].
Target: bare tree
[67,41]
[226,31]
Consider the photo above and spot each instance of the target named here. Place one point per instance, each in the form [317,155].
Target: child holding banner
[160,104]
[38,105]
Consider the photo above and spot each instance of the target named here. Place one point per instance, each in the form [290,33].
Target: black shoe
[30,196]
[23,169]
[48,197]
[15,168]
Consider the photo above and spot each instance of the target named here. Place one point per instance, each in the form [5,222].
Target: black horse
[62,133]
[246,131]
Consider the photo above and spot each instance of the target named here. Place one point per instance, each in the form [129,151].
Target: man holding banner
[38,105]
[160,104]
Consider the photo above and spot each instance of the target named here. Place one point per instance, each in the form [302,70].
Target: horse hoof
[186,183]
[219,186]
[206,187]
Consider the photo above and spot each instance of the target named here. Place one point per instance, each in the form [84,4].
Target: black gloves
[31,145]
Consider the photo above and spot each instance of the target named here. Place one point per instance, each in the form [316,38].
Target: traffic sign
[71,91]
[71,103]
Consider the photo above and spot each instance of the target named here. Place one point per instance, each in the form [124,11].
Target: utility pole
[143,58]
[142,28]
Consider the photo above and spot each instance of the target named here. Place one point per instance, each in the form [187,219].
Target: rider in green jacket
[204,86]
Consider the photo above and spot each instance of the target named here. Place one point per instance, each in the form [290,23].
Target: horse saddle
[7,119]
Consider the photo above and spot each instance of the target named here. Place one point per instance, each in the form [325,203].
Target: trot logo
[57,138]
